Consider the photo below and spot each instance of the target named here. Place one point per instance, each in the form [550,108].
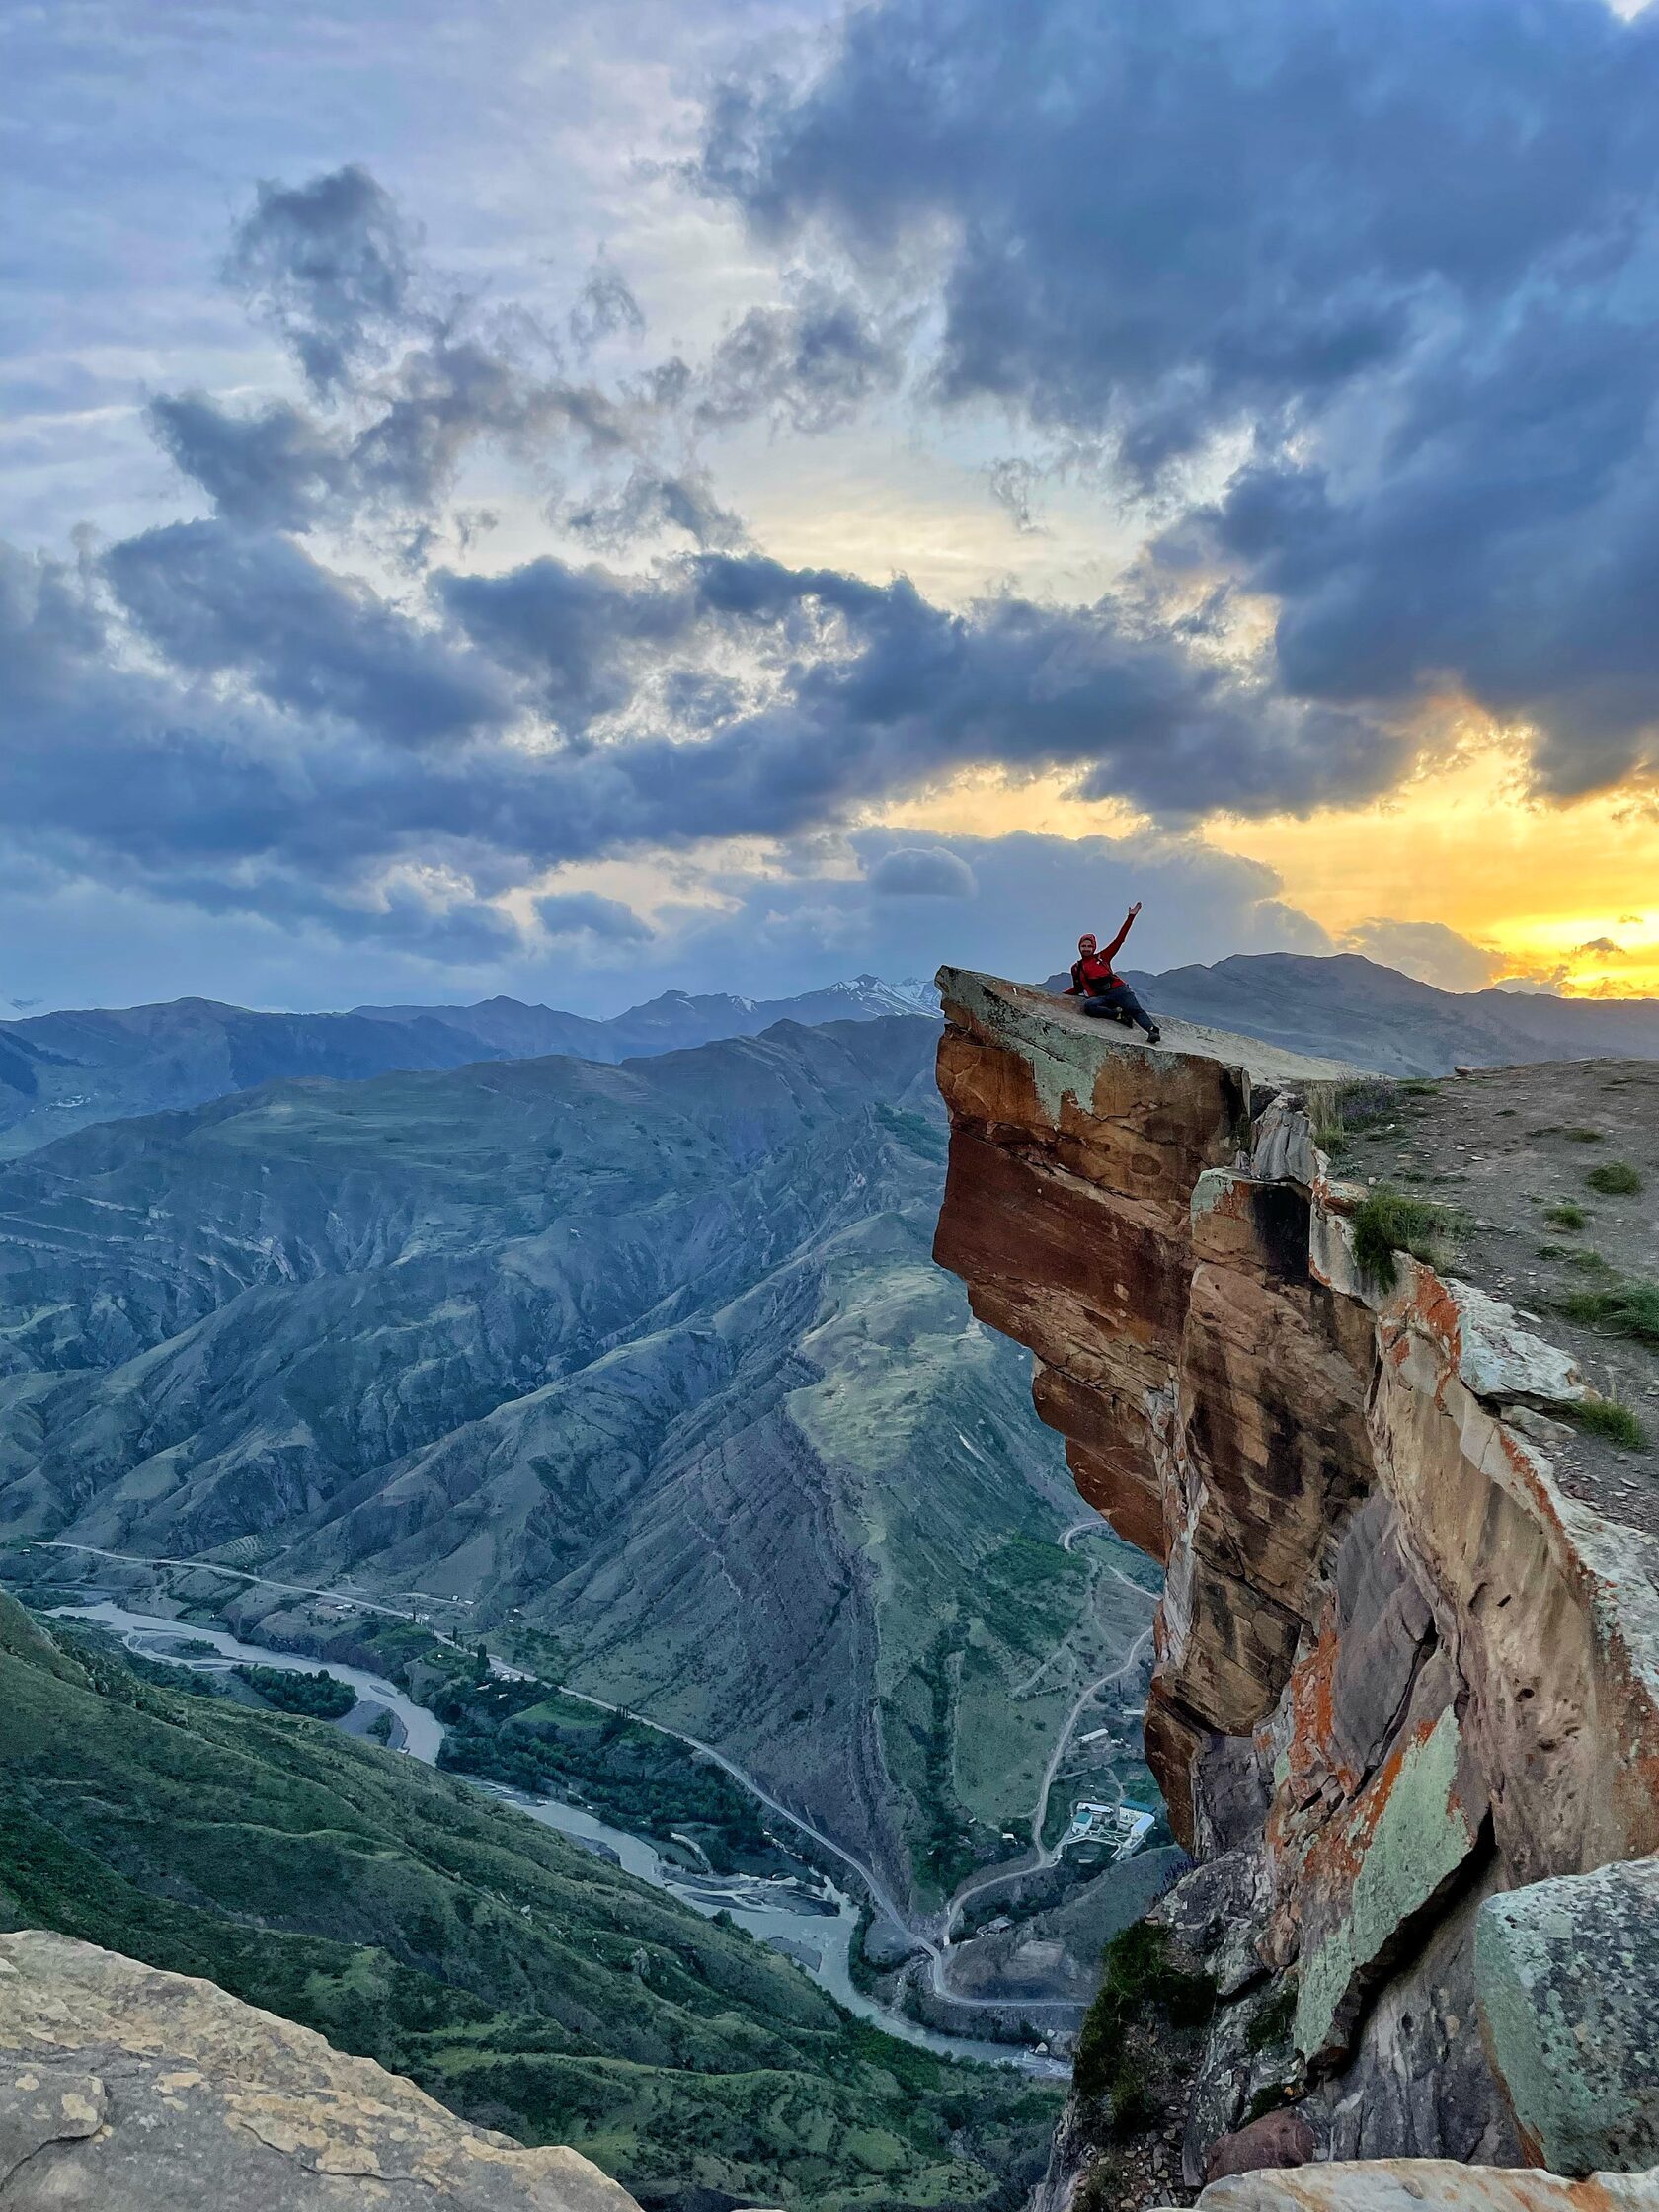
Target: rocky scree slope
[1406,1701]
[652,1359]
[415,1922]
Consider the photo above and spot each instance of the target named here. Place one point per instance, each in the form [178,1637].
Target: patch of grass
[1372,1099]
[1590,1263]
[1606,1417]
[1620,1308]
[1552,1251]
[1138,1978]
[1271,2026]
[1583,1136]
[1419,1087]
[1391,1221]
[1567,1216]
[1617,1179]
[1135,2107]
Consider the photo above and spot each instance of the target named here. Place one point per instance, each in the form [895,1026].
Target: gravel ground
[1504,1146]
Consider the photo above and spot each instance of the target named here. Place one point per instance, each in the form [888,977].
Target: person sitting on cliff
[1101,989]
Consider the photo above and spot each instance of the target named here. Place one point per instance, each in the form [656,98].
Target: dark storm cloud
[814,363]
[1407,248]
[402,394]
[574,913]
[578,638]
[868,690]
[213,601]
[463,391]
[329,264]
[243,715]
[650,502]
[1510,540]
[211,700]
[281,467]
[1188,209]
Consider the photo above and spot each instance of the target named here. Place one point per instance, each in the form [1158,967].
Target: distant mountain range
[506,1028]
[62,1072]
[652,1359]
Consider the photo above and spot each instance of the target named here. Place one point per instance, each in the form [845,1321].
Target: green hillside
[650,1358]
[526,1984]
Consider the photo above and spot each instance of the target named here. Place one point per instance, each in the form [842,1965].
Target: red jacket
[1096,973]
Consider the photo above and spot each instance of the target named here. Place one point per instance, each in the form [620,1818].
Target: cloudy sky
[585,498]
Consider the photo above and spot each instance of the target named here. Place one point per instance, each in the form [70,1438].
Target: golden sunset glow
[1569,894]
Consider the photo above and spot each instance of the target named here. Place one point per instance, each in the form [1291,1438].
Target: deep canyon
[644,1375]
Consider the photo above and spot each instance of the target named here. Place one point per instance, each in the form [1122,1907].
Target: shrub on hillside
[1391,1221]
[1617,1179]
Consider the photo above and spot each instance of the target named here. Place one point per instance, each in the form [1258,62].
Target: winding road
[1042,1857]
[935,1948]
[236,1574]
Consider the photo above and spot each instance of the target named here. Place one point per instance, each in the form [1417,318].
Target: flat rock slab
[1073,1044]
[126,2089]
[1428,2185]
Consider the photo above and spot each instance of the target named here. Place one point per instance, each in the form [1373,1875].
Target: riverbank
[815,1930]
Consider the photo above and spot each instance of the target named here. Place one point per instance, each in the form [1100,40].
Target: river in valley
[815,1930]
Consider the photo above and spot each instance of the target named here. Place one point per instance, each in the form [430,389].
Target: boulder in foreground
[126,2089]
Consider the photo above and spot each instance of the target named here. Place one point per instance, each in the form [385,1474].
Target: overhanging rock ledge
[1401,1675]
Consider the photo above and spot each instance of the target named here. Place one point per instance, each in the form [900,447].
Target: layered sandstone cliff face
[1407,1705]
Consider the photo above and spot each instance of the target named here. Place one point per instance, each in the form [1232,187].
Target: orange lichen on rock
[1396,1666]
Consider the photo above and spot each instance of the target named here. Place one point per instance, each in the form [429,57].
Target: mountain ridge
[61,1072]
[589,1349]
[1353,1008]
[66,1071]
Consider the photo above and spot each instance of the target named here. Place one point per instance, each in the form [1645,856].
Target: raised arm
[1129,924]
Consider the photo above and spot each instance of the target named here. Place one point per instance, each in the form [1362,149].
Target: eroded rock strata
[1406,1705]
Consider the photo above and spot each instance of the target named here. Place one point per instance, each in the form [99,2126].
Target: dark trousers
[1120,1000]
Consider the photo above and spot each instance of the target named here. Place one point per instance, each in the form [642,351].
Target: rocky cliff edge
[124,2089]
[1406,1705]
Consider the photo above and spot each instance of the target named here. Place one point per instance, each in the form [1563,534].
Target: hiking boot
[1154,1034]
